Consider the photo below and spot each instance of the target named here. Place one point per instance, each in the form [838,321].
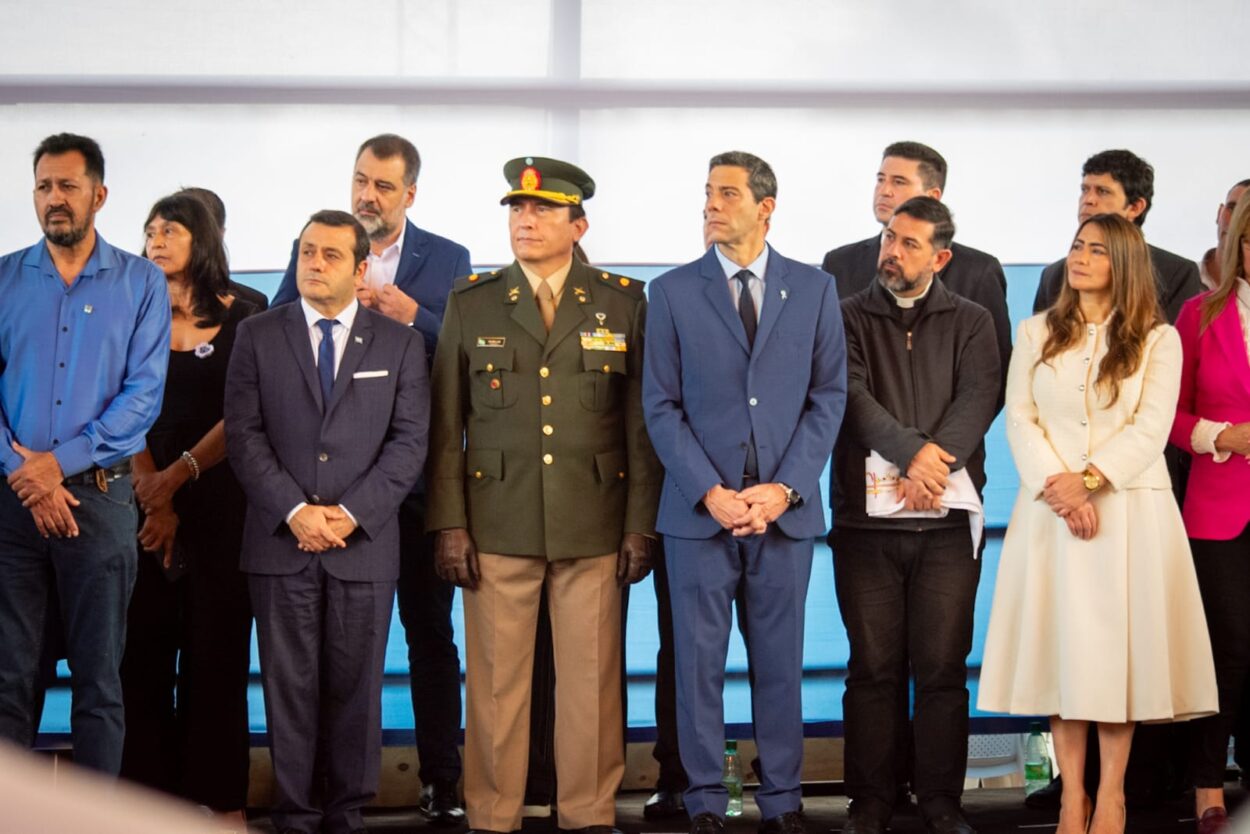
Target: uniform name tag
[492,341]
[603,339]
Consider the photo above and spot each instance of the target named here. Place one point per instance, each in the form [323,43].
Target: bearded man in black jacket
[923,381]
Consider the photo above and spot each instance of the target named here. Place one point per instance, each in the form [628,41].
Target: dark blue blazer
[427,268]
[364,449]
[705,392]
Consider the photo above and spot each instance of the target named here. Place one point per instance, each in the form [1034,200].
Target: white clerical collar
[908,303]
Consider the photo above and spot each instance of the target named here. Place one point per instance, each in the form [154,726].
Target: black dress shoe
[791,822]
[950,822]
[664,804]
[1047,798]
[440,804]
[707,823]
[863,824]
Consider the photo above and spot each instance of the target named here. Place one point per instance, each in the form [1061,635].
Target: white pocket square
[369,374]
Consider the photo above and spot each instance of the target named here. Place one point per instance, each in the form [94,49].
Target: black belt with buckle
[100,476]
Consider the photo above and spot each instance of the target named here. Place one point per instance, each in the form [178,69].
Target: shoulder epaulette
[630,286]
[477,279]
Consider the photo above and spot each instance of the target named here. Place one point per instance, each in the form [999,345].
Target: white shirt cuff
[1203,439]
[348,513]
[301,505]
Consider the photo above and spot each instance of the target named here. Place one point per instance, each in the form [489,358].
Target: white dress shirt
[383,267]
[755,283]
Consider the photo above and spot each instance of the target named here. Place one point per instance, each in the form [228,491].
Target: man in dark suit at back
[1121,182]
[409,276]
[910,169]
[327,414]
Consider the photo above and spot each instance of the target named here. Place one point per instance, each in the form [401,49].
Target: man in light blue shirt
[84,342]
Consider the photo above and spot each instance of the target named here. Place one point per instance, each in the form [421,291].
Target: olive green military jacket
[537,440]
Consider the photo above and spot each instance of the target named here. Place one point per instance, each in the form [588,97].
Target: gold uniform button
[478,474]
[546,399]
[605,276]
[624,282]
[620,475]
[490,366]
[607,368]
[548,430]
[544,372]
[548,459]
[323,457]
[472,278]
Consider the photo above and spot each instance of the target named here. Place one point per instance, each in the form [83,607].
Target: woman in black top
[185,671]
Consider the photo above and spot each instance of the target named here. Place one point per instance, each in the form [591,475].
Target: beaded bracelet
[192,464]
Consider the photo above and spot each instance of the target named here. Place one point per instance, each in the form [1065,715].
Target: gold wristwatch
[1092,480]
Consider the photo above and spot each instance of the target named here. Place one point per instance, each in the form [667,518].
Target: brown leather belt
[100,476]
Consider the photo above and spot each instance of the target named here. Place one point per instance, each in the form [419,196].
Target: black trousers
[184,681]
[433,661]
[665,752]
[1223,569]
[906,596]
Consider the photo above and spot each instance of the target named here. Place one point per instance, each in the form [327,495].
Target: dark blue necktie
[746,306]
[325,358]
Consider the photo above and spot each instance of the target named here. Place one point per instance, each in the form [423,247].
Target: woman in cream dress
[1097,615]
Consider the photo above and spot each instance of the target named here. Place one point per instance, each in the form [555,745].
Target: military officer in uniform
[542,474]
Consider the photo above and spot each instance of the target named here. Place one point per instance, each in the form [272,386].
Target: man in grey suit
[327,412]
[1121,182]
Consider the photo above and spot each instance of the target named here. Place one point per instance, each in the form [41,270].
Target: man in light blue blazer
[744,389]
[409,275]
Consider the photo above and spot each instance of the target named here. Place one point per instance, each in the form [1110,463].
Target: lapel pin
[359,340]
[784,295]
[601,318]
[87,308]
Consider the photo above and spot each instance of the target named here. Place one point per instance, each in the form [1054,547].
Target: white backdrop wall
[1016,95]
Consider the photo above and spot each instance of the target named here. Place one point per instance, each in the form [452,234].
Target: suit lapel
[1232,341]
[776,293]
[357,343]
[717,292]
[570,315]
[296,328]
[411,259]
[524,308]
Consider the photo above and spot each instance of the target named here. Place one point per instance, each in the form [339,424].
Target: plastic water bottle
[732,779]
[1036,760]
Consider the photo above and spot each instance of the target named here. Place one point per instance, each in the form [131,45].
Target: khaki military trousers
[500,618]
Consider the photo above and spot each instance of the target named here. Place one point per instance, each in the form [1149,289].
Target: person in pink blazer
[1213,424]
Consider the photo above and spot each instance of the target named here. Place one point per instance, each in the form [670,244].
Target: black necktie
[746,311]
[746,306]
[325,358]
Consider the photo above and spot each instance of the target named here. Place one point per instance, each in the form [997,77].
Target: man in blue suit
[327,418]
[409,276]
[744,390]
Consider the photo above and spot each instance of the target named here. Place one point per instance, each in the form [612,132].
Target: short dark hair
[208,271]
[931,211]
[1242,183]
[60,143]
[930,164]
[1134,174]
[339,219]
[210,199]
[760,177]
[387,145]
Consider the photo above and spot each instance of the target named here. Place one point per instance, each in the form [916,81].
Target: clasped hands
[749,512]
[319,528]
[926,478]
[455,558]
[37,483]
[1066,495]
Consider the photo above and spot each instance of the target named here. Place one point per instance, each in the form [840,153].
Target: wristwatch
[1092,480]
[792,497]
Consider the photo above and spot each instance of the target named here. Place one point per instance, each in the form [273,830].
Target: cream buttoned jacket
[1058,420]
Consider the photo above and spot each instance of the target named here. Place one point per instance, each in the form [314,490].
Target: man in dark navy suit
[743,390]
[910,169]
[1121,182]
[327,419]
[409,275]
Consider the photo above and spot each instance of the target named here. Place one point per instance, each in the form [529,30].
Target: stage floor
[990,810]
